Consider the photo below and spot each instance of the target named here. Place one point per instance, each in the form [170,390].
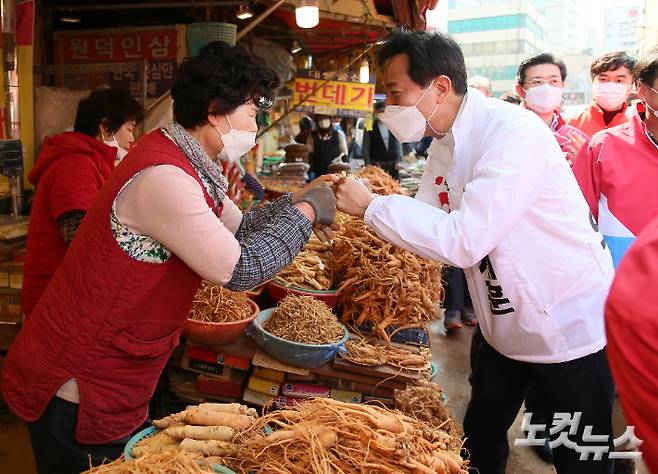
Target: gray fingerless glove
[323,202]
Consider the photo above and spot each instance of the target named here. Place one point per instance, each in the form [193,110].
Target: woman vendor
[68,174]
[83,368]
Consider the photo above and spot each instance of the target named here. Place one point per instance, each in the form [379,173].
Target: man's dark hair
[511,97]
[543,58]
[612,61]
[430,55]
[109,107]
[380,106]
[646,69]
[217,81]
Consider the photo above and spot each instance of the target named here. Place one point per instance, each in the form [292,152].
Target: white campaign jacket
[537,268]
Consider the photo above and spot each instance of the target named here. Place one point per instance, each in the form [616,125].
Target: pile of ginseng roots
[325,436]
[381,284]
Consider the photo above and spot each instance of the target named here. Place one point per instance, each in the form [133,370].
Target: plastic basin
[277,292]
[210,334]
[151,431]
[294,353]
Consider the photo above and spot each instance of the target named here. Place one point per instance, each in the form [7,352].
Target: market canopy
[344,24]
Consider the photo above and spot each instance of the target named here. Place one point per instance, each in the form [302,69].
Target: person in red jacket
[618,170]
[70,170]
[631,316]
[612,83]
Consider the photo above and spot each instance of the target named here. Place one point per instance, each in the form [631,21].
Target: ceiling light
[307,14]
[69,17]
[244,13]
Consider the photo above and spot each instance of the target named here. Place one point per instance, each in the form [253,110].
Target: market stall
[329,358]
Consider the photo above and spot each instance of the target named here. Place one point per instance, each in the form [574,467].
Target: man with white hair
[481,83]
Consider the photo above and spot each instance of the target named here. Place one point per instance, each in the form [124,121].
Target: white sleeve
[505,184]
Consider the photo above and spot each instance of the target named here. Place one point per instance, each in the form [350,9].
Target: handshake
[329,193]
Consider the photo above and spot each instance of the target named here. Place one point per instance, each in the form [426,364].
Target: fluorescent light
[307,14]
[364,72]
[70,17]
[244,13]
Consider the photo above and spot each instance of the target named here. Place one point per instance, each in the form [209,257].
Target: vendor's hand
[573,148]
[353,197]
[323,202]
[325,232]
[327,180]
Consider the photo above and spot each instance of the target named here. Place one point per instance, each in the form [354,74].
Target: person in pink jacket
[618,170]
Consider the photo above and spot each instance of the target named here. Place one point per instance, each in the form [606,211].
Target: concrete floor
[451,353]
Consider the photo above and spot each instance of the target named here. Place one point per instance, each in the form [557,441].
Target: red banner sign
[117,47]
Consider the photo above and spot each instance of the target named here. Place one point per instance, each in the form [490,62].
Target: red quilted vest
[106,319]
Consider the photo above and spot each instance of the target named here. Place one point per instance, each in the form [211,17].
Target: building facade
[496,37]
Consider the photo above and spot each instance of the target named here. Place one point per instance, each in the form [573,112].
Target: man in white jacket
[499,200]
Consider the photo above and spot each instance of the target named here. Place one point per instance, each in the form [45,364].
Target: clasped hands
[330,192]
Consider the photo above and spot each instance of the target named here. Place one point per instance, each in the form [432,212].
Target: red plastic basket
[278,292]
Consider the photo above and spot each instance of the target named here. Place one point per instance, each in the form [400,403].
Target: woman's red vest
[106,319]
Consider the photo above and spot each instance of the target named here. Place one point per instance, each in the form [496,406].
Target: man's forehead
[543,69]
[396,70]
[620,71]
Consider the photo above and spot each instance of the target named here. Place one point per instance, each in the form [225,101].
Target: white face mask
[610,95]
[324,124]
[406,122]
[121,152]
[543,99]
[236,143]
[653,111]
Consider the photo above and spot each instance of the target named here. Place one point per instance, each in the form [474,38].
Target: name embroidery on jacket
[497,301]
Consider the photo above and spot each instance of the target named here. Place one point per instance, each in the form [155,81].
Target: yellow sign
[333,95]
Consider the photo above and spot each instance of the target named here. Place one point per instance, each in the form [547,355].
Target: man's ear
[519,91]
[443,86]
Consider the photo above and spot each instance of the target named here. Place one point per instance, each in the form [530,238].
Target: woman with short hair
[85,365]
[68,174]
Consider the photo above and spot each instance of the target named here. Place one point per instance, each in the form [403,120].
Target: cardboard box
[268,387]
[363,388]
[345,396]
[269,374]
[11,308]
[287,402]
[261,359]
[11,275]
[301,378]
[256,398]
[206,368]
[231,388]
[300,390]
[183,384]
[215,357]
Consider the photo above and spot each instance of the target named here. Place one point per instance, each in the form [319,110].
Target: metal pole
[145,82]
[10,69]
[11,106]
[256,21]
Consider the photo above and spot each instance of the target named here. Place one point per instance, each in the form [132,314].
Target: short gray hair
[480,82]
